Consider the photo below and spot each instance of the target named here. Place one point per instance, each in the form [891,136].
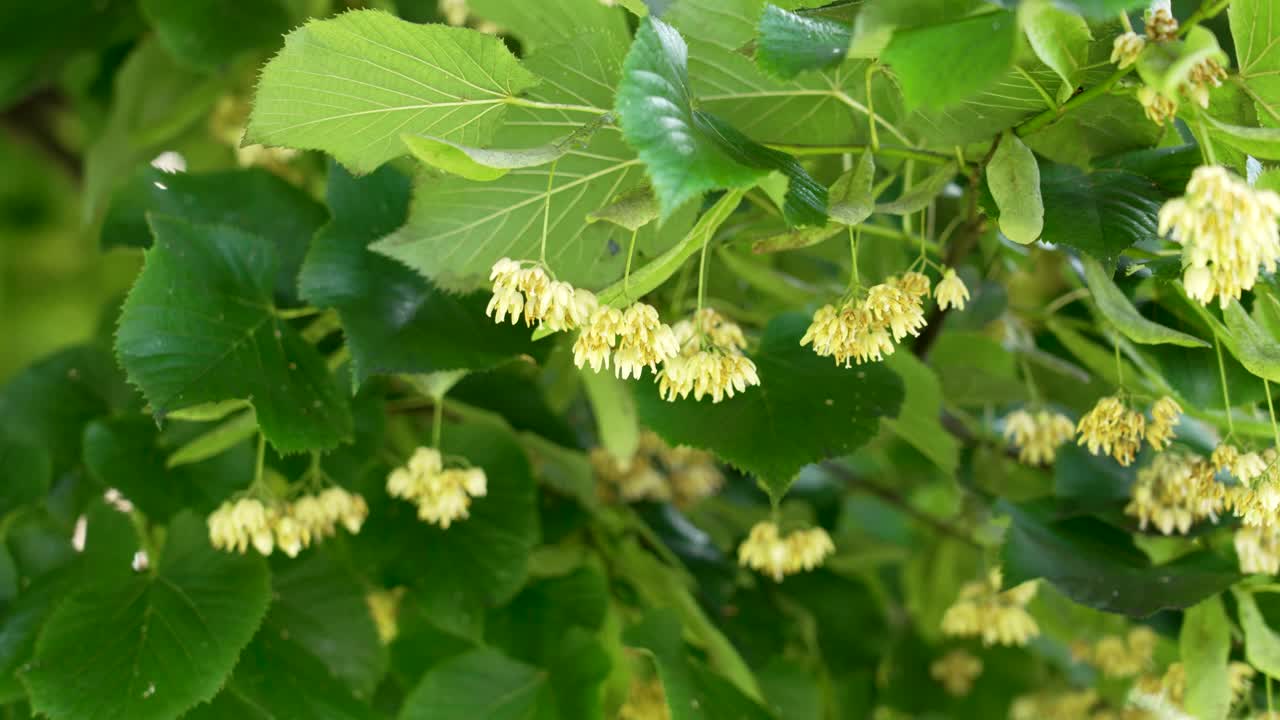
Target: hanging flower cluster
[1119,657]
[1176,490]
[1074,704]
[956,671]
[289,526]
[999,618]
[865,328]
[1038,435]
[1162,27]
[766,551]
[1114,429]
[1168,692]
[443,496]
[660,473]
[632,339]
[1258,549]
[710,361]
[530,293]
[1227,230]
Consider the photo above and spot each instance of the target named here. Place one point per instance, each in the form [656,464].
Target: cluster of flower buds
[1116,656]
[530,293]
[631,339]
[660,473]
[1038,435]
[767,551]
[1113,428]
[999,618]
[710,361]
[289,526]
[442,495]
[956,672]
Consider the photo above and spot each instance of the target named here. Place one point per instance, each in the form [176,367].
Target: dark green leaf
[208,34]
[812,408]
[1100,213]
[790,43]
[1097,565]
[320,607]
[941,65]
[453,83]
[252,200]
[1100,8]
[693,692]
[1116,308]
[918,421]
[25,472]
[199,326]
[395,320]
[172,639]
[479,685]
[688,152]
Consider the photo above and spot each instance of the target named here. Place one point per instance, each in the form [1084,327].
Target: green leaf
[920,194]
[851,196]
[811,409]
[208,34]
[395,320]
[173,638]
[1013,176]
[552,22]
[687,152]
[790,43]
[199,326]
[320,606]
[482,684]
[215,440]
[1059,38]
[480,164]
[1250,343]
[352,85]
[457,229]
[275,679]
[1262,143]
[975,370]
[693,692]
[918,421]
[1205,644]
[126,453]
[1100,8]
[1116,308]
[48,404]
[1097,565]
[1255,27]
[941,65]
[1100,213]
[1261,643]
[25,472]
[251,199]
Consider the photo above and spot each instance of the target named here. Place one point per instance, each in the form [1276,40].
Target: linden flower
[1227,230]
[1258,550]
[1126,49]
[1161,25]
[1038,436]
[643,340]
[1174,491]
[1248,467]
[951,291]
[639,480]
[236,526]
[866,330]
[442,496]
[1112,428]
[1165,414]
[1158,108]
[766,551]
[598,337]
[1125,657]
[999,618]
[289,527]
[912,283]
[531,293]
[956,672]
[710,360]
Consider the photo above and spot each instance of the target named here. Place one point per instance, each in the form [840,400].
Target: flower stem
[871,108]
[437,421]
[1275,429]
[702,280]
[626,274]
[854,280]
[1226,395]
[546,214]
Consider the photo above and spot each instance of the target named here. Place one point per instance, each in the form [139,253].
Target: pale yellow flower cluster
[1161,25]
[529,293]
[766,551]
[632,339]
[1165,414]
[290,526]
[865,330]
[951,291]
[1172,687]
[443,496]
[1158,108]
[1037,436]
[1227,230]
[1126,48]
[1258,549]
[1062,704]
[1176,490]
[710,361]
[1112,429]
[999,618]
[660,473]
[1120,657]
[956,671]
